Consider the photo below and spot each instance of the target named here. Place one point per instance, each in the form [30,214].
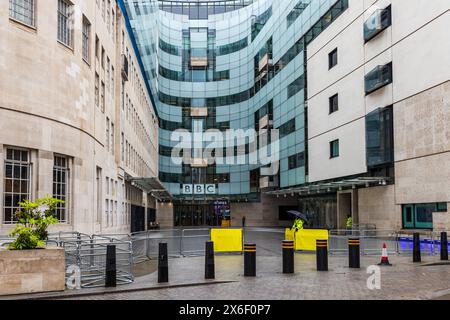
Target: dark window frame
[333,59]
[332,154]
[333,103]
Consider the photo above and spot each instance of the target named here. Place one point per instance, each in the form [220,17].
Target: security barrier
[305,239]
[227,240]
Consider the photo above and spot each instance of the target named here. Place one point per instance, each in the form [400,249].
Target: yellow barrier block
[227,240]
[305,239]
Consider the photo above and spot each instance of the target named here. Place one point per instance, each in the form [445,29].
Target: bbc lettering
[199,189]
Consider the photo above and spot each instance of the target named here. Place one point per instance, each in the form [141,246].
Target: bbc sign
[199,189]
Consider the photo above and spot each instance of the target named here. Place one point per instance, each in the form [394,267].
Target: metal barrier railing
[372,240]
[90,256]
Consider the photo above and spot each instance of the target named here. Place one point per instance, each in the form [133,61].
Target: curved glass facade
[230,65]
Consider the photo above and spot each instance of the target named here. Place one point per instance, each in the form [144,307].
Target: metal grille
[23,11]
[64,22]
[61,186]
[17,182]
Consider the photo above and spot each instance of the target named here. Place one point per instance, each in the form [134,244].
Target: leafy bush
[34,218]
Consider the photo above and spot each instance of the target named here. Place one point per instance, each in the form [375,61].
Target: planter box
[31,271]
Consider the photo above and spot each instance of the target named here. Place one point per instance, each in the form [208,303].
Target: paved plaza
[404,280]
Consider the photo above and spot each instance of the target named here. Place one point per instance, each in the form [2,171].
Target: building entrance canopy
[152,186]
[332,186]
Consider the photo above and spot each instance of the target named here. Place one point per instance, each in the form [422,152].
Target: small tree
[34,218]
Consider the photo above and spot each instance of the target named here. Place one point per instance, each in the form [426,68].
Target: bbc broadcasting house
[92,92]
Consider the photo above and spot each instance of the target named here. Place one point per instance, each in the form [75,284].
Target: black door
[137,219]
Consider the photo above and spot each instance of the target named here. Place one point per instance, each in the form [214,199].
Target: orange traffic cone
[384,257]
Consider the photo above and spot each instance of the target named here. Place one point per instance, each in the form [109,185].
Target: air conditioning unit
[124,67]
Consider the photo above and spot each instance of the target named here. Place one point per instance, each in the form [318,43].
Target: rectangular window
[296,161]
[112,138]
[296,86]
[332,59]
[23,11]
[61,186]
[287,128]
[102,99]
[334,149]
[107,144]
[334,103]
[86,40]
[380,137]
[65,29]
[17,182]
[97,89]
[297,11]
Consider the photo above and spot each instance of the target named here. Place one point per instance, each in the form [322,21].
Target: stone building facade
[76,119]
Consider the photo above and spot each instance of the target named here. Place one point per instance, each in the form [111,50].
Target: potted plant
[23,269]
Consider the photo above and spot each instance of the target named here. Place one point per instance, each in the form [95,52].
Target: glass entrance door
[195,214]
[408,216]
[418,216]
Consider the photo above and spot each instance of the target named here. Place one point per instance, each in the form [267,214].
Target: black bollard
[111,271]
[416,248]
[163,264]
[288,256]
[354,257]
[209,260]
[444,246]
[322,255]
[250,260]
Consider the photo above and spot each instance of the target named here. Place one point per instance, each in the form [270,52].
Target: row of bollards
[288,250]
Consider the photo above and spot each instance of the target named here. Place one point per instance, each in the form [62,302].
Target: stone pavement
[404,280]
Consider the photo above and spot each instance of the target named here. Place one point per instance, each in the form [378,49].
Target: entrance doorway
[199,213]
[418,216]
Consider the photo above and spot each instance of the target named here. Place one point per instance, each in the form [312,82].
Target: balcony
[380,20]
[124,67]
[379,77]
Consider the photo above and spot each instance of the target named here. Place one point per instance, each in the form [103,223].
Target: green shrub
[34,218]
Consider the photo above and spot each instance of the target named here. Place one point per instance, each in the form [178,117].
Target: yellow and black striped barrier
[250,260]
[322,254]
[288,256]
[354,256]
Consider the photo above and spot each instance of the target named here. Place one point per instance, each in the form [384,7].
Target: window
[332,59]
[380,137]
[379,77]
[97,89]
[65,30]
[102,99]
[378,21]
[61,186]
[23,11]
[107,144]
[296,161]
[287,128]
[334,149]
[17,182]
[296,86]
[86,38]
[334,103]
[112,138]
[296,12]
